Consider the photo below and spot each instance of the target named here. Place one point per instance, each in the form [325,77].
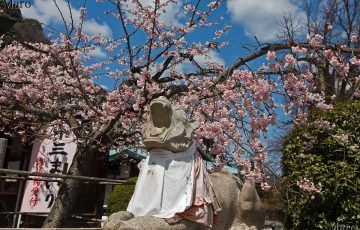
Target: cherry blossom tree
[333,24]
[53,84]
[329,24]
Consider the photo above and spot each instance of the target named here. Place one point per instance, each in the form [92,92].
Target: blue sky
[248,18]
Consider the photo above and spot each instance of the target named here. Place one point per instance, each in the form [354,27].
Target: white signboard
[47,156]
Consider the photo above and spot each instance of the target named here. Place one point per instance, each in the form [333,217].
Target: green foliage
[326,153]
[14,27]
[120,197]
[14,13]
[31,22]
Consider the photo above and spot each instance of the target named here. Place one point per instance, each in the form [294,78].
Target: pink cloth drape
[205,204]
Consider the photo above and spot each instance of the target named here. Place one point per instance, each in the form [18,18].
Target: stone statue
[168,127]
[221,202]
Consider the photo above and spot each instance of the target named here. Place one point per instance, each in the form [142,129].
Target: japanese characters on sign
[47,156]
[36,183]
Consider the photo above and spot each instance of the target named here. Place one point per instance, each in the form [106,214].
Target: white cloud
[213,56]
[172,15]
[260,17]
[93,27]
[97,52]
[104,87]
[186,66]
[46,12]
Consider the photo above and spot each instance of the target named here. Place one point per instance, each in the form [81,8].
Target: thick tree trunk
[69,190]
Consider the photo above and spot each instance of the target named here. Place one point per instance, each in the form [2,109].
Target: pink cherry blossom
[354,38]
[355,61]
[319,37]
[307,186]
[235,106]
[271,55]
[329,26]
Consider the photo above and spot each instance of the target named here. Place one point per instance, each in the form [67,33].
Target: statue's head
[168,127]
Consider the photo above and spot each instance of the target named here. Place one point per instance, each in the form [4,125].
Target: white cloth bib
[165,184]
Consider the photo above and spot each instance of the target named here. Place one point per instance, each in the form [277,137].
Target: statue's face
[167,128]
[161,113]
